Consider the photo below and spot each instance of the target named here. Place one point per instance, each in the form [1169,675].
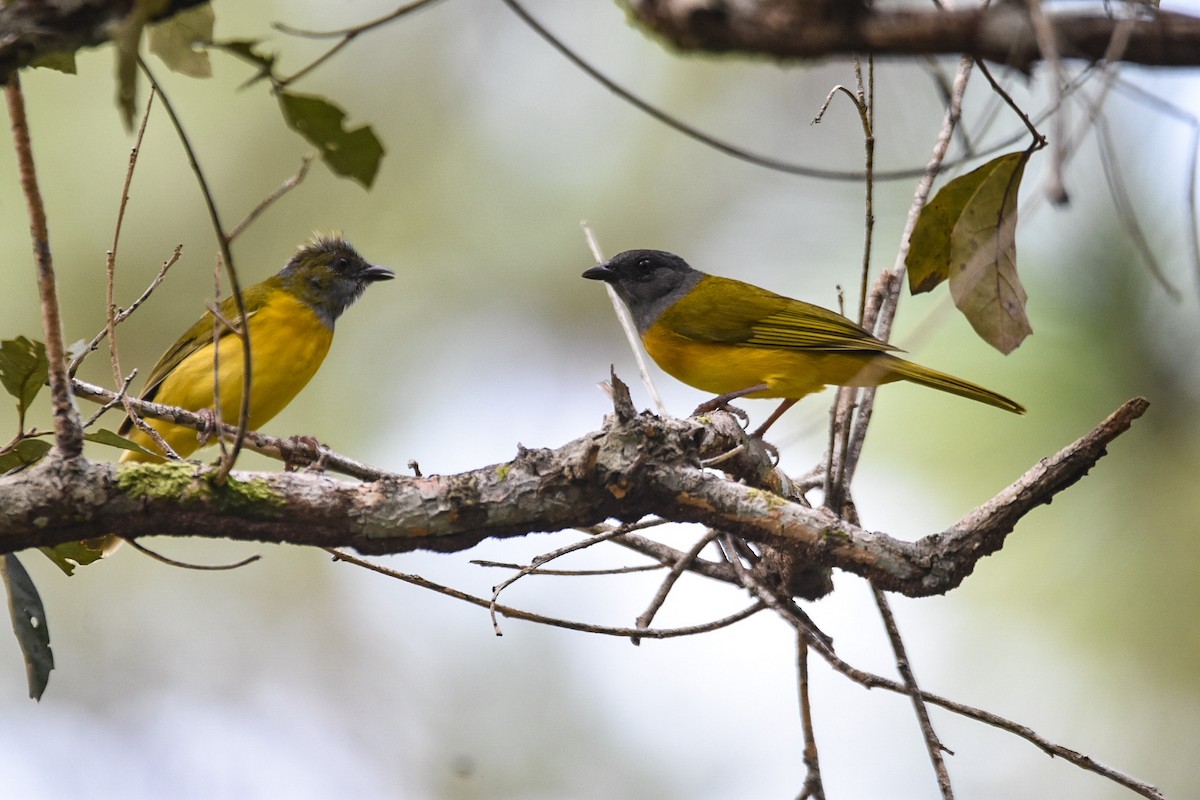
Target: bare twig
[870,680]
[123,314]
[116,401]
[884,298]
[345,35]
[570,573]
[933,744]
[813,788]
[223,242]
[170,562]
[68,432]
[536,563]
[677,569]
[268,201]
[626,323]
[1047,42]
[297,451]
[1085,762]
[515,613]
[110,261]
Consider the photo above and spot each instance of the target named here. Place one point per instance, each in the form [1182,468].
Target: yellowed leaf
[967,234]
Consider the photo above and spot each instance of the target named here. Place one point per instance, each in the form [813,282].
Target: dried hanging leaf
[69,555]
[179,41]
[23,370]
[29,624]
[355,153]
[126,36]
[967,234]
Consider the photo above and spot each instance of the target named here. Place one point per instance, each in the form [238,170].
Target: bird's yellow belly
[288,342]
[725,368]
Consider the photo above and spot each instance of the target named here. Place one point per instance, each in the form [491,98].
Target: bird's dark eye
[340,265]
[645,269]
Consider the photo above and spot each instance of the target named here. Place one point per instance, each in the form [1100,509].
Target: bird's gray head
[648,281]
[329,275]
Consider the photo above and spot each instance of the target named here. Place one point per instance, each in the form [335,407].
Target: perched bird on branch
[289,319]
[738,340]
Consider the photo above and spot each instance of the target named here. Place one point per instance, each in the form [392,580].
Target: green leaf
[126,36]
[29,624]
[60,62]
[244,49]
[105,436]
[69,555]
[180,40]
[23,370]
[24,453]
[967,234]
[354,153]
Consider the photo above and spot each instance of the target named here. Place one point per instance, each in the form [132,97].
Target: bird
[289,318]
[735,339]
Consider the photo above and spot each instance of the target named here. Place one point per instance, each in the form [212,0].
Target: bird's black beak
[601,272]
[374,272]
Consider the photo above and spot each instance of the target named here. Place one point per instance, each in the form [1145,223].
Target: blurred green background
[302,678]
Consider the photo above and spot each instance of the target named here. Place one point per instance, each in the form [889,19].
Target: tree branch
[637,464]
[1002,32]
[32,29]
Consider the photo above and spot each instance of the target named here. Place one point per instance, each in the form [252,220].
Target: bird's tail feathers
[925,376]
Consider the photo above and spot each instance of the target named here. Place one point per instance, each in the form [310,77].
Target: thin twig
[687,130]
[290,450]
[1141,95]
[116,401]
[871,681]
[570,573]
[68,431]
[545,559]
[269,200]
[885,294]
[223,243]
[813,788]
[933,744]
[170,562]
[346,36]
[110,260]
[1043,32]
[123,314]
[515,613]
[677,570]
[868,680]
[626,323]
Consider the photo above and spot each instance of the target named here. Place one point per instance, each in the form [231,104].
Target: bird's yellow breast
[288,342]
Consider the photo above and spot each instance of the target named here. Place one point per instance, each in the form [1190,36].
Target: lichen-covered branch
[637,464]
[1001,32]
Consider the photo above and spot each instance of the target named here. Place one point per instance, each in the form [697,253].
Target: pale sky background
[301,678]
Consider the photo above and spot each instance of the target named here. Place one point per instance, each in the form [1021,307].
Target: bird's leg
[776,414]
[721,401]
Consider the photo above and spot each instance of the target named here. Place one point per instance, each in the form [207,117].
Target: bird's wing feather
[197,337]
[726,311]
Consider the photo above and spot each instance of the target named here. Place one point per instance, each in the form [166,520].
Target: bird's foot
[712,405]
[293,460]
[209,427]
